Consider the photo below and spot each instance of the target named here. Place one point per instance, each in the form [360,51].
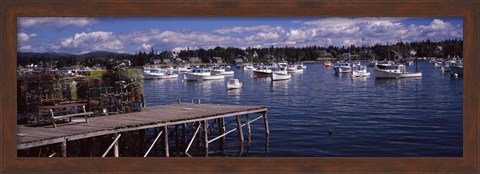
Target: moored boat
[327,64]
[199,74]
[262,71]
[280,74]
[234,84]
[342,67]
[361,71]
[221,71]
[394,71]
[159,73]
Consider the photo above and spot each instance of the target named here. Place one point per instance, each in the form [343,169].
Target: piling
[239,128]
[165,140]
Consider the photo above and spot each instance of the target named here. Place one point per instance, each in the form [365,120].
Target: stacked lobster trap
[114,93]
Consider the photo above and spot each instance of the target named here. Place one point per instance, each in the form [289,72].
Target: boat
[394,71]
[201,73]
[280,74]
[361,71]
[372,63]
[262,71]
[327,64]
[234,84]
[456,70]
[342,67]
[248,67]
[184,68]
[221,71]
[293,69]
[159,73]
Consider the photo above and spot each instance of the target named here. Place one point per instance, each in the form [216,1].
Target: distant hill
[46,54]
[57,54]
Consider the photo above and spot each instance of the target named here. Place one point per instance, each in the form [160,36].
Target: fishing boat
[184,68]
[280,74]
[456,70]
[262,71]
[372,63]
[221,71]
[248,67]
[327,64]
[394,71]
[294,69]
[201,73]
[361,71]
[342,67]
[159,73]
[234,84]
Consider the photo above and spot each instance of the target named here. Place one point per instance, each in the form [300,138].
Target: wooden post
[115,148]
[249,131]
[239,128]
[265,122]
[184,136]
[222,131]
[165,140]
[63,148]
[205,137]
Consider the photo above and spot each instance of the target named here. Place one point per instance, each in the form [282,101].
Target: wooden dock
[150,117]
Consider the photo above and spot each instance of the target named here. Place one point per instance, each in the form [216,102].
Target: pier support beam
[239,128]
[249,131]
[265,122]
[115,148]
[63,148]
[165,140]
[205,137]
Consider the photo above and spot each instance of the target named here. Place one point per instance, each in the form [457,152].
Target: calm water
[368,117]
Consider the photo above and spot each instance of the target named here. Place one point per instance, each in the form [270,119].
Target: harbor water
[320,114]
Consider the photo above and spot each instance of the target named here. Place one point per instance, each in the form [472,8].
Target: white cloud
[91,41]
[59,22]
[323,32]
[238,29]
[23,37]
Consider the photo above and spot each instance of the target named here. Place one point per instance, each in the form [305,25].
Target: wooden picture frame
[469,10]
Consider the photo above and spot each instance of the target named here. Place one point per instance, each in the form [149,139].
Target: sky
[78,35]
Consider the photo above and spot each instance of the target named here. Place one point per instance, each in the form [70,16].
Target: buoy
[455,75]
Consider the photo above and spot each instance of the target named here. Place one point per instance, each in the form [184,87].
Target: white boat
[372,63]
[184,68]
[221,71]
[327,64]
[234,84]
[199,74]
[248,67]
[293,69]
[280,74]
[361,71]
[394,71]
[159,73]
[262,71]
[437,64]
[342,67]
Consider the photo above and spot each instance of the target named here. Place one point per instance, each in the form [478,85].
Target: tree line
[428,48]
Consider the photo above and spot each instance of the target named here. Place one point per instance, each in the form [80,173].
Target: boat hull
[342,69]
[277,76]
[395,75]
[261,73]
[360,73]
[196,77]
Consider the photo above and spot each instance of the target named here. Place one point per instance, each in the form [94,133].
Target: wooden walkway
[150,117]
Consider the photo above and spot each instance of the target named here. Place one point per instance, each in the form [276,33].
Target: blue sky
[78,35]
